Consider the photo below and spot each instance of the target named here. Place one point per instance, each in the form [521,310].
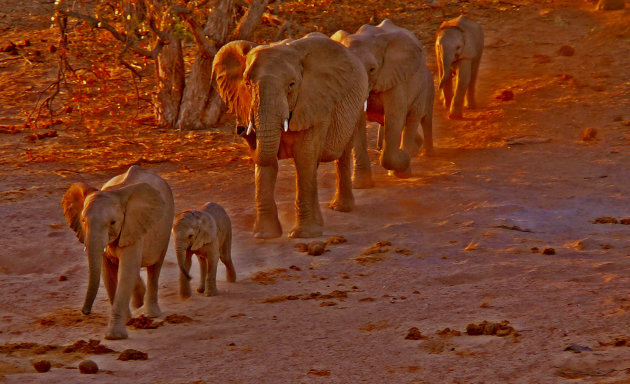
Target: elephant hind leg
[427,131]
[226,258]
[151,307]
[343,200]
[470,92]
[137,299]
[110,278]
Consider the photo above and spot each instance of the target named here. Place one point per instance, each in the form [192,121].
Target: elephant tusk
[84,249]
[249,128]
[365,106]
[104,249]
[286,125]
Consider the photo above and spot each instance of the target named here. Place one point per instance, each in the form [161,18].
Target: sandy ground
[461,229]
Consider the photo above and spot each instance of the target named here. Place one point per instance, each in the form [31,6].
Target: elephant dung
[132,354]
[610,5]
[589,134]
[316,248]
[42,366]
[566,50]
[414,334]
[88,367]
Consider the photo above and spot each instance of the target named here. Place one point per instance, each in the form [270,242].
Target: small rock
[63,278]
[42,366]
[577,348]
[88,367]
[535,250]
[505,95]
[589,134]
[316,248]
[625,221]
[566,50]
[618,118]
[132,354]
[548,251]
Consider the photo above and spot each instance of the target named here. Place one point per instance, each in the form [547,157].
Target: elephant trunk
[180,251]
[269,113]
[95,248]
[447,61]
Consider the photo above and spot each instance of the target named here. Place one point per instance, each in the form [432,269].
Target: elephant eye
[291,84]
[113,222]
[190,236]
[372,69]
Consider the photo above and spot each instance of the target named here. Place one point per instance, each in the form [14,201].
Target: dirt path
[462,230]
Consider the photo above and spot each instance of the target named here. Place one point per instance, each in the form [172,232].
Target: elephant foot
[267,228]
[116,333]
[210,292]
[152,310]
[361,180]
[342,205]
[184,292]
[429,151]
[403,174]
[455,115]
[306,231]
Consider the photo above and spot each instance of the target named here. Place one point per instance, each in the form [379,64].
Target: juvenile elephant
[458,50]
[302,99]
[124,226]
[401,89]
[206,232]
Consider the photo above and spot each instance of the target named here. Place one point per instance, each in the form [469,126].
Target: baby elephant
[207,233]
[458,50]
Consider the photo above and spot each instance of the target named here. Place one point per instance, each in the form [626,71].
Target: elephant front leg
[343,200]
[203,270]
[463,80]
[309,222]
[267,225]
[362,177]
[392,157]
[128,271]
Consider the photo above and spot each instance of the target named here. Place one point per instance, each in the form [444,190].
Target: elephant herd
[306,99]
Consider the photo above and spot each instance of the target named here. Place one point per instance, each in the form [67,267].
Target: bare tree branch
[249,22]
[134,45]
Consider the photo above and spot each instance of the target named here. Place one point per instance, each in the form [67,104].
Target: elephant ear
[207,230]
[402,57]
[72,204]
[143,207]
[327,77]
[227,73]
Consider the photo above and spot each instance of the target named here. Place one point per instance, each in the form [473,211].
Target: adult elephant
[401,89]
[458,50]
[124,226]
[301,99]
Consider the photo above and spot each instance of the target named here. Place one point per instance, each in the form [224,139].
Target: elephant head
[192,230]
[390,55]
[456,40]
[288,86]
[117,217]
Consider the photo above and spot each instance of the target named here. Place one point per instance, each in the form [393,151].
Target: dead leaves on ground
[143,322]
[334,295]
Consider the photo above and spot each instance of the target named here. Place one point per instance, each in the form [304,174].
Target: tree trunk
[201,106]
[170,75]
